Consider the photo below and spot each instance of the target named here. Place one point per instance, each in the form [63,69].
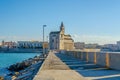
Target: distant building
[58,40]
[93,46]
[118,44]
[0,44]
[29,44]
[79,45]
[9,44]
[111,47]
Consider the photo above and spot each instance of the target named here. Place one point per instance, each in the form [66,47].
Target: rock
[27,63]
[12,67]
[1,78]
[16,73]
[14,77]
[24,64]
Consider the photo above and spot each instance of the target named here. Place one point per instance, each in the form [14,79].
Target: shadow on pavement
[90,70]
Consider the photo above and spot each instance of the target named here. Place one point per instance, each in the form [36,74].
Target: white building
[29,44]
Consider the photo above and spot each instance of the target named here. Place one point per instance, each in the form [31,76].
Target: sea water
[7,59]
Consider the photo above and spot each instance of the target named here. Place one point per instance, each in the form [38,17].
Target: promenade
[63,67]
[54,69]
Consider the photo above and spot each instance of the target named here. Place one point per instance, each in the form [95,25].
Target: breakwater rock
[24,70]
[24,64]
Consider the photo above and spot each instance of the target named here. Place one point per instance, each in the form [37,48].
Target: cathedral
[58,40]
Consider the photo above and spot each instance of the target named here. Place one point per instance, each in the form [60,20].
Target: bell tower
[62,33]
[62,28]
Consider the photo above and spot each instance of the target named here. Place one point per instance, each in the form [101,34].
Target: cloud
[95,39]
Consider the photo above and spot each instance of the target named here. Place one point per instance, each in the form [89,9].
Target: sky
[89,21]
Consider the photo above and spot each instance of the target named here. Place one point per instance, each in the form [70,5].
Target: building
[58,40]
[118,44]
[92,46]
[9,44]
[29,44]
[111,47]
[79,45]
[0,43]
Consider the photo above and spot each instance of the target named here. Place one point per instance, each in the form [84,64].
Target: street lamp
[43,40]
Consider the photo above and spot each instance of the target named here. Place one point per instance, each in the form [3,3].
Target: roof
[68,38]
[55,32]
[67,35]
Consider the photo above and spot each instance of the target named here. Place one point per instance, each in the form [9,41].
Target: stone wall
[91,57]
[101,59]
[114,60]
[110,60]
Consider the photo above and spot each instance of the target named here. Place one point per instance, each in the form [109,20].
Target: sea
[7,59]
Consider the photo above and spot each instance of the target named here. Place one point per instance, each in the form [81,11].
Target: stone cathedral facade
[58,40]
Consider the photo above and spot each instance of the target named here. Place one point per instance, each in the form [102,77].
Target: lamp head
[44,25]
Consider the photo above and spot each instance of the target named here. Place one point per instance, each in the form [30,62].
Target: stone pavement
[63,67]
[89,70]
[54,69]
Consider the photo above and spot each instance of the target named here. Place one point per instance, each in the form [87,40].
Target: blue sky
[90,21]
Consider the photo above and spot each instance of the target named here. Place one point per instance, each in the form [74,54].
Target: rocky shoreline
[24,70]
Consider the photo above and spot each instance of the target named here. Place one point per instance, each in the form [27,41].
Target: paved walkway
[63,67]
[54,69]
[89,70]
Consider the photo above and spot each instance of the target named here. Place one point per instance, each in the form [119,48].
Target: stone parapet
[107,59]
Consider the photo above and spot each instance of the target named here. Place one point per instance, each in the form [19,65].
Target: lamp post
[43,40]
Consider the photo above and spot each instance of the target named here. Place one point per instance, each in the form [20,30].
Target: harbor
[59,40]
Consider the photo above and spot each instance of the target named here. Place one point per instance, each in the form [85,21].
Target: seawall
[107,59]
